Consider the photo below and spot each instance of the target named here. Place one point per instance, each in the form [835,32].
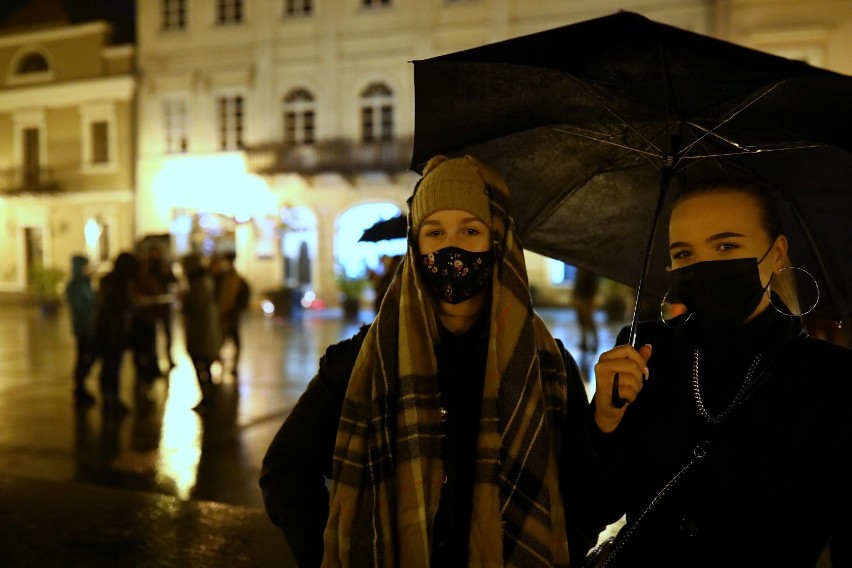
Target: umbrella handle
[665,179]
[617,401]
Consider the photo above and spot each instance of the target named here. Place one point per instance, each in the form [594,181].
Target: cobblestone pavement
[168,456]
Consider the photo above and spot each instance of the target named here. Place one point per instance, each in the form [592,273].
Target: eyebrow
[710,239]
[464,220]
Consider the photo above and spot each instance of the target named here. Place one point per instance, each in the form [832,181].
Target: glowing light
[92,233]
[308,299]
[180,440]
[267,307]
[214,184]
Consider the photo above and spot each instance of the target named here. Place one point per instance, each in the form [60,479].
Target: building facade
[288,125]
[282,128]
[67,148]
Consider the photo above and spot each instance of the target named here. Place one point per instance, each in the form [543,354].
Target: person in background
[232,299]
[114,314]
[165,282]
[81,301]
[446,425]
[583,298]
[725,434]
[148,300]
[201,325]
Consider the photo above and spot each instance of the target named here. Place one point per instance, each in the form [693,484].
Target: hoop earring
[663,319]
[816,286]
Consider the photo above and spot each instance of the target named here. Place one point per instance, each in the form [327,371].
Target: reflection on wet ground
[162,445]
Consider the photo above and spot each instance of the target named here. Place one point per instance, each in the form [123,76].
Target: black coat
[775,482]
[299,460]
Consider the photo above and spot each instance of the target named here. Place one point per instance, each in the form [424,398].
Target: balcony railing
[21,181]
[342,156]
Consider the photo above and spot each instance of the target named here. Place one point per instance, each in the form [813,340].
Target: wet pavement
[163,485]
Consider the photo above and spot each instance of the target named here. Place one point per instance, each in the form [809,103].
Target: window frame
[173,9]
[13,77]
[377,106]
[303,111]
[230,137]
[179,133]
[294,9]
[89,116]
[22,121]
[230,12]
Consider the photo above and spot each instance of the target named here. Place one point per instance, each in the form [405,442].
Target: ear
[779,252]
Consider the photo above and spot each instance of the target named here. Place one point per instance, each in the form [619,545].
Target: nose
[452,240]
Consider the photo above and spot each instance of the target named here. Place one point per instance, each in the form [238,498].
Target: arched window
[32,63]
[299,117]
[376,113]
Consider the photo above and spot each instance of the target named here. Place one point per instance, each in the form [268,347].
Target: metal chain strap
[697,453]
[738,398]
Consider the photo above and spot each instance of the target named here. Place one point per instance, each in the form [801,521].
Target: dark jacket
[300,457]
[115,304]
[773,488]
[81,298]
[201,317]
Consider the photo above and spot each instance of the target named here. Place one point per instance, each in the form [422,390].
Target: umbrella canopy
[597,125]
[387,229]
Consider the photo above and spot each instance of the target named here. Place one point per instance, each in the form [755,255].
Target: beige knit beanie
[455,183]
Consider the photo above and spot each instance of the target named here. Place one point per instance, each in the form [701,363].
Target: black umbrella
[597,125]
[387,229]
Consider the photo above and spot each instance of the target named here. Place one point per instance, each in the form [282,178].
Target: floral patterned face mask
[455,274]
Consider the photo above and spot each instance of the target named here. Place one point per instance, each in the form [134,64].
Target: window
[296,8]
[230,121]
[375,3]
[31,164]
[33,63]
[99,142]
[30,65]
[299,117]
[377,113]
[98,136]
[173,15]
[29,151]
[229,12]
[175,126]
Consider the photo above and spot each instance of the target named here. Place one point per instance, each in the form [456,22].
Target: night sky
[122,14]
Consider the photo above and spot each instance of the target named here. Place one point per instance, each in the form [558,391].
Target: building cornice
[116,51]
[13,39]
[120,88]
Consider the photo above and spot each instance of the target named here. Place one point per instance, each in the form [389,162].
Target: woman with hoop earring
[732,444]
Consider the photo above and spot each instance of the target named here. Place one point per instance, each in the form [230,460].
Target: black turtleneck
[725,355]
[461,375]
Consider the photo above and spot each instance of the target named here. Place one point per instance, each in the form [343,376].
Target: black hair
[770,220]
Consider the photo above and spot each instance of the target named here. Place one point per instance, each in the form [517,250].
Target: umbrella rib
[751,150]
[600,101]
[731,115]
[645,153]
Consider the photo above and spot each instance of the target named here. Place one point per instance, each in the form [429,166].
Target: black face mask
[455,274]
[720,293]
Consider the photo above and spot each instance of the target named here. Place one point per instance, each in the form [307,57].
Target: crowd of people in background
[133,305]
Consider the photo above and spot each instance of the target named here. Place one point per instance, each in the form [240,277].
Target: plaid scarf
[387,472]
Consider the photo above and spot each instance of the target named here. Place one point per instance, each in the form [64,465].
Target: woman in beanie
[445,427]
